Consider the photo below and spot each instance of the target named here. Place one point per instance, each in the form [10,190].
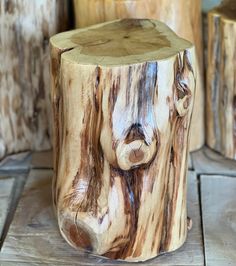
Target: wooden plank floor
[206,161]
[219,219]
[33,237]
[6,187]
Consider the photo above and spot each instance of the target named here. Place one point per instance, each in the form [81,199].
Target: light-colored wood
[219,219]
[42,160]
[122,109]
[33,232]
[207,161]
[221,79]
[25,115]
[182,16]
[6,186]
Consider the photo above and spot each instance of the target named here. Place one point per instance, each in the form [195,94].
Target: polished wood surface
[221,80]
[182,16]
[123,95]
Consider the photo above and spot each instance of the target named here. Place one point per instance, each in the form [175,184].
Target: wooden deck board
[20,161]
[34,238]
[207,161]
[218,196]
[6,187]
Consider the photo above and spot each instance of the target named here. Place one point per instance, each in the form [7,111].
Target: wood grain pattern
[182,16]
[25,114]
[221,79]
[219,220]
[32,233]
[121,137]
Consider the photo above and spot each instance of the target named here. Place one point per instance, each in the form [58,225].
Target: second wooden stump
[221,79]
[123,95]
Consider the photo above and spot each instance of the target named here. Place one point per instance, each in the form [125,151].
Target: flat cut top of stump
[227,9]
[120,42]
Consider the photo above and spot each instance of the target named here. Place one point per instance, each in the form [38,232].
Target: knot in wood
[134,153]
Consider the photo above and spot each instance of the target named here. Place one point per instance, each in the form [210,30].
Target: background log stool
[25,114]
[182,16]
[123,95]
[221,79]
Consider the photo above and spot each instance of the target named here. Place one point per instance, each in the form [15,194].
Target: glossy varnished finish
[182,16]
[121,127]
[221,79]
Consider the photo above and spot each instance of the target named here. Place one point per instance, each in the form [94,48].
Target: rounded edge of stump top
[120,42]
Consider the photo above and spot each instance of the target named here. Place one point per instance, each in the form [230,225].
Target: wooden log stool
[122,95]
[221,79]
[187,24]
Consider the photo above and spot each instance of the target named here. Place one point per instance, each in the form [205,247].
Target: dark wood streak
[57,104]
[55,66]
[147,90]
[91,163]
[114,91]
[113,95]
[9,6]
[135,132]
[147,94]
[131,180]
[132,188]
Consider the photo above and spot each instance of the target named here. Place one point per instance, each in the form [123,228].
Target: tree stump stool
[122,96]
[221,79]
[24,72]
[187,24]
